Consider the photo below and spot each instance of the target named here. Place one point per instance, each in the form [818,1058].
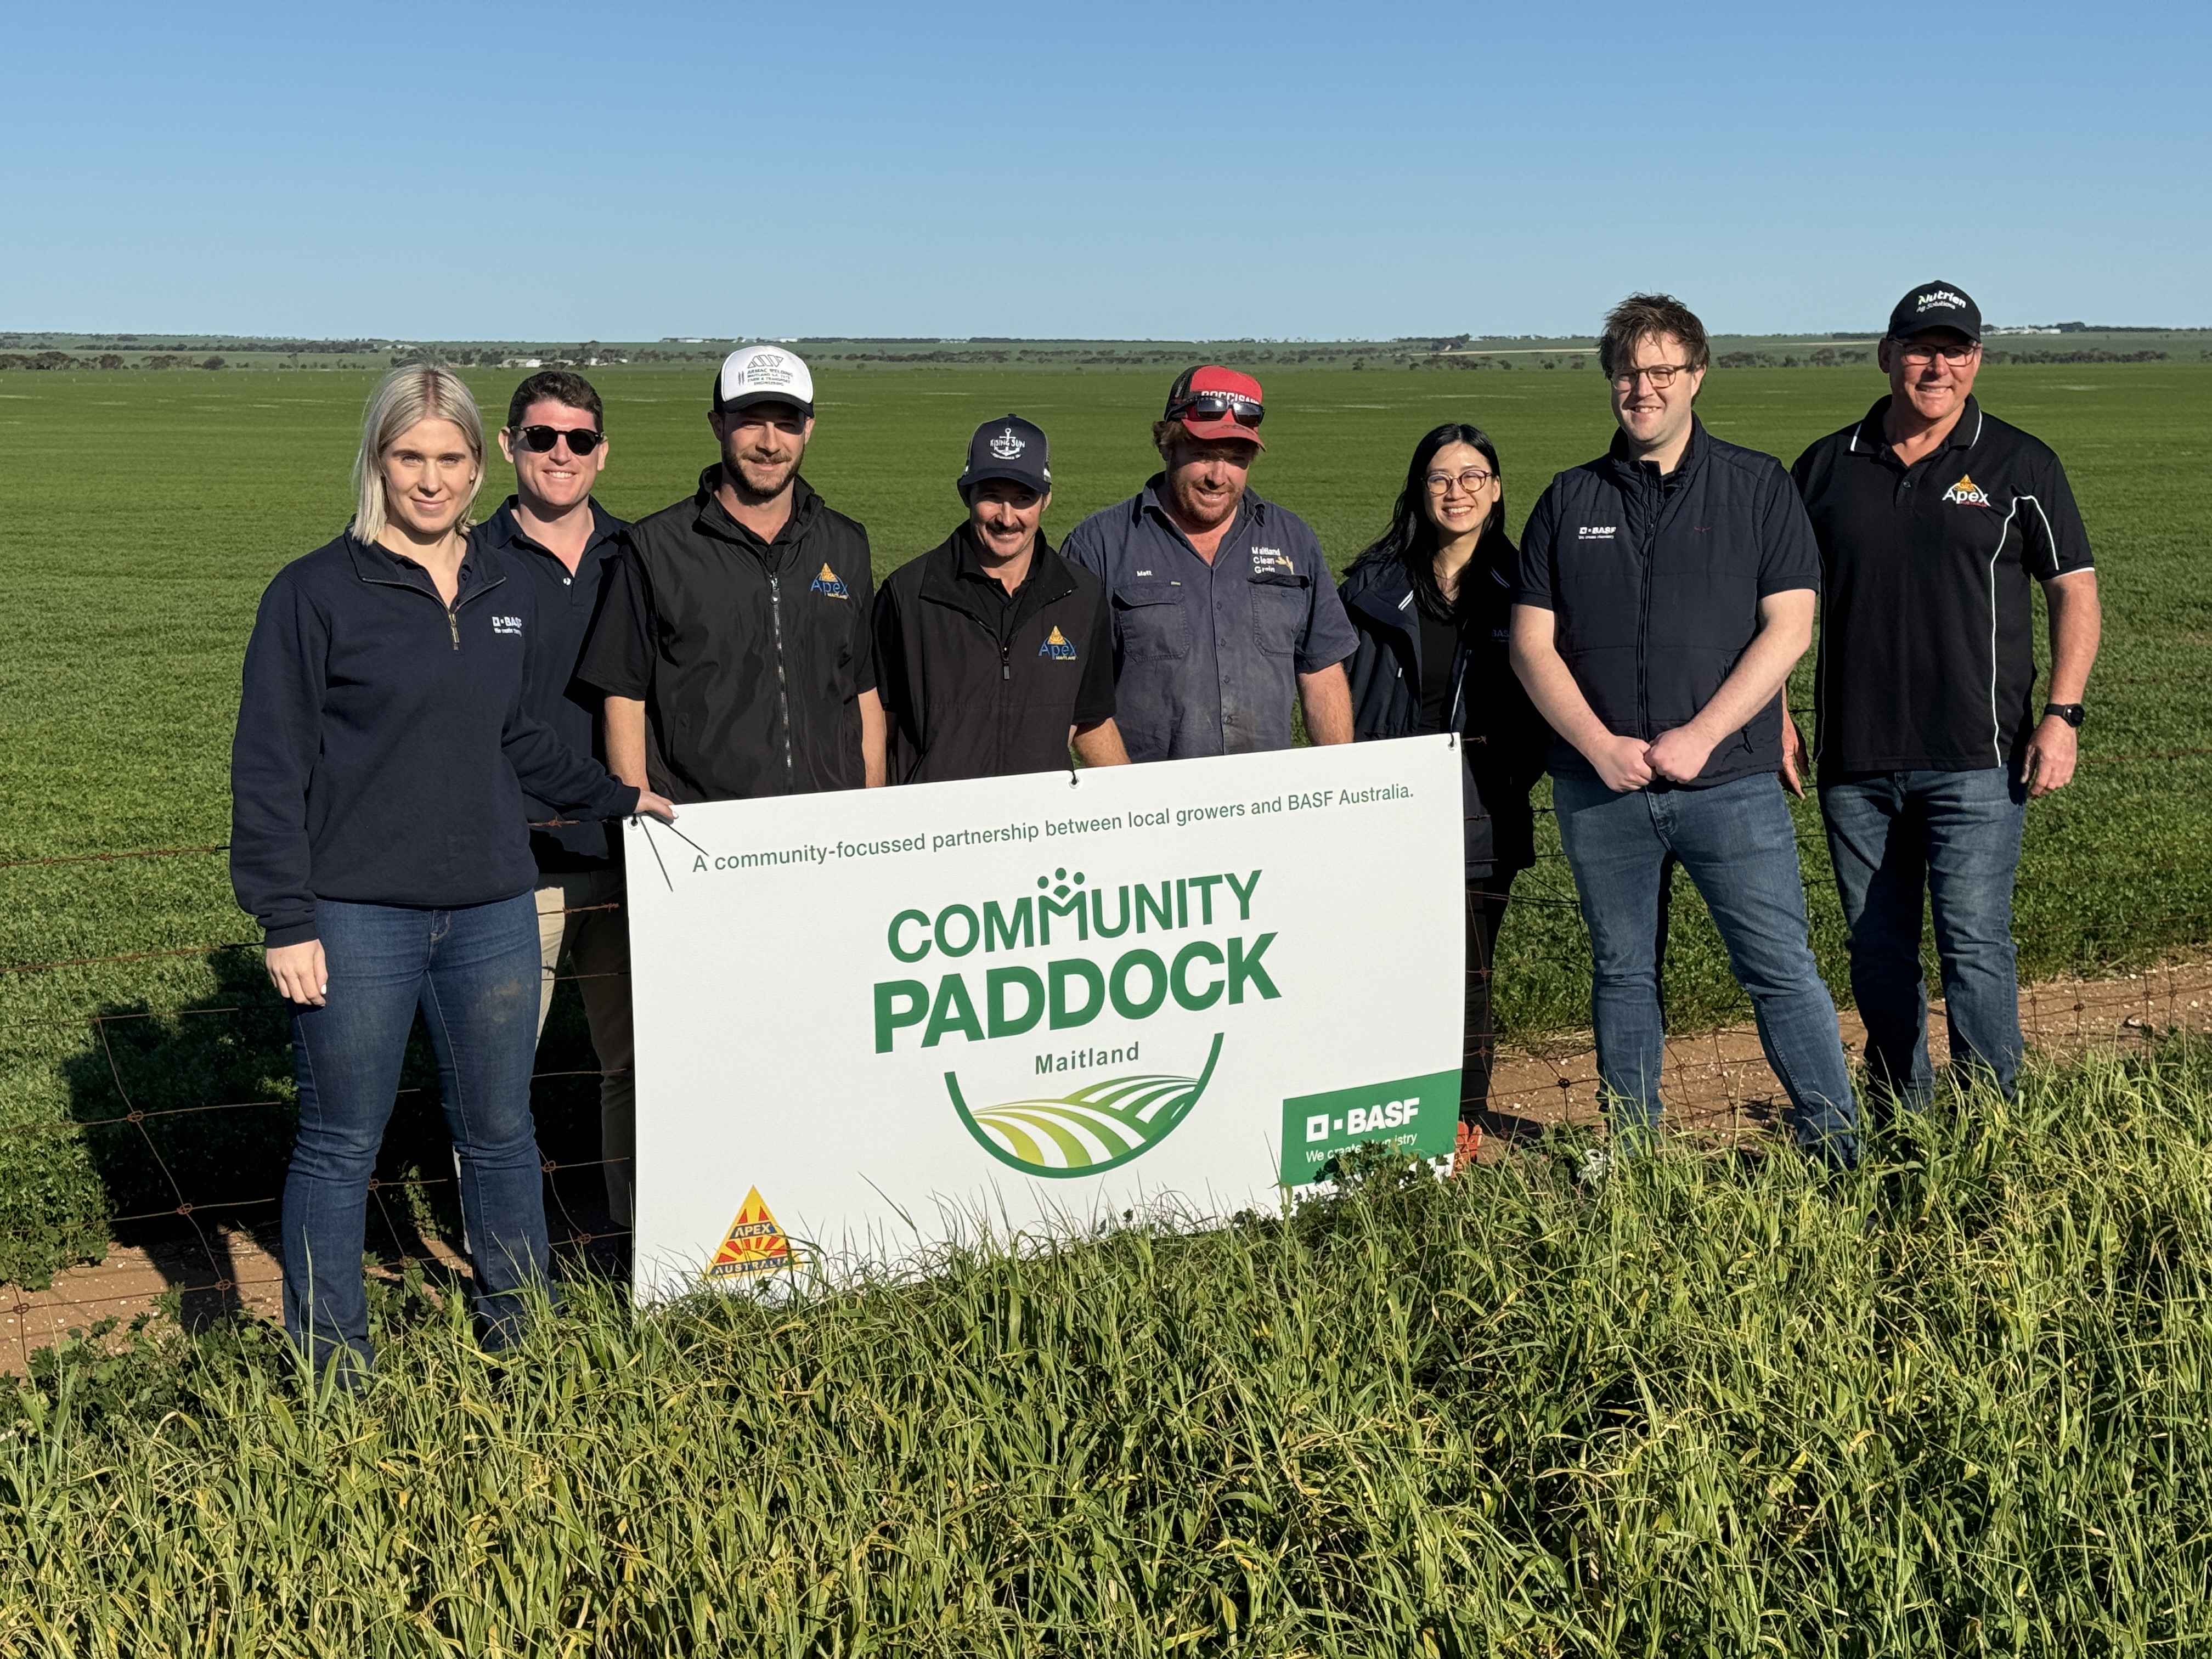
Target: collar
[504,529]
[372,561]
[715,517]
[1868,438]
[1693,455]
[967,561]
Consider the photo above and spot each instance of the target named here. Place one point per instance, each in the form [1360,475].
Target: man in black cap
[1932,518]
[994,655]
[734,649]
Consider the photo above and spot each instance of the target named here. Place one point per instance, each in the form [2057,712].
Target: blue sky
[1197,170]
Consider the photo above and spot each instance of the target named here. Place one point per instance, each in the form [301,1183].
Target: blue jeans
[1737,843]
[473,972]
[1956,836]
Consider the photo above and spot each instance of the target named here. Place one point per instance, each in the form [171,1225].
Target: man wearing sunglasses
[1935,520]
[1667,589]
[1223,607]
[560,546]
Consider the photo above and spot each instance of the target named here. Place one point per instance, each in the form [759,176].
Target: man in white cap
[735,648]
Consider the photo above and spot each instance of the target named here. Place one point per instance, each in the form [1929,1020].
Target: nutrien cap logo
[1095,1129]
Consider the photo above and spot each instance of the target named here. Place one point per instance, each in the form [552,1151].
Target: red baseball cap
[1213,402]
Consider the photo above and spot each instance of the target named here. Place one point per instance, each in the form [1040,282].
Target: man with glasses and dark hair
[1666,591]
[1224,606]
[562,545]
[1934,519]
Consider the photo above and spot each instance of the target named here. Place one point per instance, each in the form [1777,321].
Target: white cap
[764,374]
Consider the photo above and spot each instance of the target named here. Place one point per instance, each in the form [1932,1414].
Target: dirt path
[1716,1084]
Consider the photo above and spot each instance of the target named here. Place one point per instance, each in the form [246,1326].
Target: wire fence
[1720,1087]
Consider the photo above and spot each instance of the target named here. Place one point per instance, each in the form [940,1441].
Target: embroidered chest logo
[1057,646]
[506,625]
[1596,532]
[1967,492]
[826,583]
[1272,561]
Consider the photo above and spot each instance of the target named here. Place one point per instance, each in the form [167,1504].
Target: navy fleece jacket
[382,749]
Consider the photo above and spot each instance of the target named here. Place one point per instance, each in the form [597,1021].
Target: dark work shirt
[1927,650]
[1439,652]
[1207,655]
[1655,585]
[566,605]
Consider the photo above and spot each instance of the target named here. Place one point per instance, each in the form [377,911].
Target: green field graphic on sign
[1090,1131]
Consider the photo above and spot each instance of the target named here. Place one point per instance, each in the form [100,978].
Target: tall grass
[1957,1402]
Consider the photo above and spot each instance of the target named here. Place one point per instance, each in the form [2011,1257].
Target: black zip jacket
[1502,737]
[1654,585]
[749,656]
[382,749]
[980,687]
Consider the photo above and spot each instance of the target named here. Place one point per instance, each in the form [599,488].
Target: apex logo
[828,583]
[1967,492]
[753,1244]
[1057,646]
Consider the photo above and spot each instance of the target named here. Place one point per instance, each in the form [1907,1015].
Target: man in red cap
[1224,606]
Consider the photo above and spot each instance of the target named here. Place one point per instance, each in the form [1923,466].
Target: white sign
[866,1020]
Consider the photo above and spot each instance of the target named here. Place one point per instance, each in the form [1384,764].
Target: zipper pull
[453,626]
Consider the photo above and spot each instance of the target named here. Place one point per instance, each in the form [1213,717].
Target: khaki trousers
[596,941]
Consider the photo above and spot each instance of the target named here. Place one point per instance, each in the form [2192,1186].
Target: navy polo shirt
[564,605]
[1206,656]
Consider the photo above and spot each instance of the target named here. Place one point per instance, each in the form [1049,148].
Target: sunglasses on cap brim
[1212,405]
[582,440]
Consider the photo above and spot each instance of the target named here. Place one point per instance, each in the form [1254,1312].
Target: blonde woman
[377,835]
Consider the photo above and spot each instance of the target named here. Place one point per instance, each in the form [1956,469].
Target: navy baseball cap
[1011,449]
[1935,304]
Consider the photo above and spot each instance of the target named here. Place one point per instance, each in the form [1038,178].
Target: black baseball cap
[1935,304]
[1010,447]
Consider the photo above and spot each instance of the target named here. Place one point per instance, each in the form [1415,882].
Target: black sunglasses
[1214,405]
[581,441]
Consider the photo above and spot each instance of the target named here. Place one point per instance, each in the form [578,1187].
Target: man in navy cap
[1223,607]
[1934,519]
[993,654]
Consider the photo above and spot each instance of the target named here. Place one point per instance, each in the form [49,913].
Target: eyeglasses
[583,440]
[1212,405]
[1471,481]
[1920,354]
[1662,375]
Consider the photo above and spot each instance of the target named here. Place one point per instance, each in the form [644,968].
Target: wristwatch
[2072,713]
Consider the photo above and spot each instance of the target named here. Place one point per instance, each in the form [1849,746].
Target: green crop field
[142,513]
[1953,1402]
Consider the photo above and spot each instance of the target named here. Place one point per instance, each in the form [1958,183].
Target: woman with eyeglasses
[1432,600]
[378,834]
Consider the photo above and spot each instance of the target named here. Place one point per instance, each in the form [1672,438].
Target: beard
[755,476]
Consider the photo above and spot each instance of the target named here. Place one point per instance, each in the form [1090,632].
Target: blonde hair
[417,392]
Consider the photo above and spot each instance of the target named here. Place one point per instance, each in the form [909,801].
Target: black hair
[555,385]
[1411,540]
